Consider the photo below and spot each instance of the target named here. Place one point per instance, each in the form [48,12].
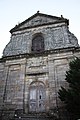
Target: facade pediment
[40,33]
[38,19]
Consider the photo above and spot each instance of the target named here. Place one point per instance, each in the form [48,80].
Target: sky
[13,12]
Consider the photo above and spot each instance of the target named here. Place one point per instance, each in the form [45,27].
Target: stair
[33,117]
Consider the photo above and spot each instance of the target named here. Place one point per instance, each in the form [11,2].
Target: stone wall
[55,36]
[20,68]
[12,83]
[16,76]
[2,85]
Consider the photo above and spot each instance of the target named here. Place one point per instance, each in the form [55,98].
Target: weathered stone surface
[39,75]
[55,36]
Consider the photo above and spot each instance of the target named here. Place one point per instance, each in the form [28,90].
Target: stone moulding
[44,53]
[20,29]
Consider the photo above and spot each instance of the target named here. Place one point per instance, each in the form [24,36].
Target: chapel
[34,63]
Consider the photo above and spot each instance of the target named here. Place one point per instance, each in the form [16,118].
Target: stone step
[33,117]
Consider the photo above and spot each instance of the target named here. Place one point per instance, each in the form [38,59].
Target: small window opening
[40,97]
[38,43]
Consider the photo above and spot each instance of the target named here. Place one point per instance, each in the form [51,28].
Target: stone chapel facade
[34,62]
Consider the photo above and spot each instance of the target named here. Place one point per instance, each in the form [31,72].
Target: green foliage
[71,96]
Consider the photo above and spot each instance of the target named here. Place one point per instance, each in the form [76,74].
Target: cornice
[44,53]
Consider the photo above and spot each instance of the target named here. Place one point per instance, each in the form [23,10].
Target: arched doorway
[37,97]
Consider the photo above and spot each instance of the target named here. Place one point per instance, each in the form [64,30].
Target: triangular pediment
[37,20]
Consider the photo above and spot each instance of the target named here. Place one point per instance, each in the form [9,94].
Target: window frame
[37,43]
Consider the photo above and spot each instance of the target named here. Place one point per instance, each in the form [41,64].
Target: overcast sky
[13,12]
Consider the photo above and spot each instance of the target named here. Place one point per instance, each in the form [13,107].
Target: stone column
[52,93]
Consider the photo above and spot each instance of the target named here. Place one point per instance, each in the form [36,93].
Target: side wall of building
[2,83]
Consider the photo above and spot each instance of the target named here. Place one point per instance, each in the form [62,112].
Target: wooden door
[37,97]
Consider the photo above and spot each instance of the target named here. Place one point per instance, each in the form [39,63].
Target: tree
[71,95]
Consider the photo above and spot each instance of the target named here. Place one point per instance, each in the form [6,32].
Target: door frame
[34,85]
